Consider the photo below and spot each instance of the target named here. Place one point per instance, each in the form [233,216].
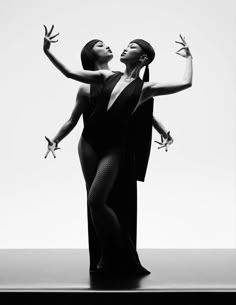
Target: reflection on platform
[67,270]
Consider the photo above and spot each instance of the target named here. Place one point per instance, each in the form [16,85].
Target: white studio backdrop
[188,198]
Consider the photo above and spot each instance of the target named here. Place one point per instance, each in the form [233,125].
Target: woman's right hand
[52,147]
[48,39]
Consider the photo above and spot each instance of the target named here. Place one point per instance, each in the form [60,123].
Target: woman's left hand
[185,47]
[165,143]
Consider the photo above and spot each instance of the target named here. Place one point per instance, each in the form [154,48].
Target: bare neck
[102,66]
[132,71]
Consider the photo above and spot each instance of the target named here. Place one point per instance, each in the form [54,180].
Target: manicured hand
[48,38]
[185,47]
[165,143]
[52,147]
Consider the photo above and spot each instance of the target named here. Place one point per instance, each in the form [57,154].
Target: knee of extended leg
[95,204]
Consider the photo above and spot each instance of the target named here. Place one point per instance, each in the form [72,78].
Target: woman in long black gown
[94,56]
[105,138]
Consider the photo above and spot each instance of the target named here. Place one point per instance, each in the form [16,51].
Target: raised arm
[83,76]
[152,89]
[80,107]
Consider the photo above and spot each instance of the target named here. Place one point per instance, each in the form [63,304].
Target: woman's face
[131,54]
[102,51]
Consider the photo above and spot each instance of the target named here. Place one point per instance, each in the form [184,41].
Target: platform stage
[65,271]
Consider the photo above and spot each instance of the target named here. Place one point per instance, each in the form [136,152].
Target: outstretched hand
[52,147]
[165,143]
[48,39]
[185,47]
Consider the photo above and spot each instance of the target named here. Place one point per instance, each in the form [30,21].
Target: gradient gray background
[188,198]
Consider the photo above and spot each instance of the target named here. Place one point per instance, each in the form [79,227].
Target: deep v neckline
[119,95]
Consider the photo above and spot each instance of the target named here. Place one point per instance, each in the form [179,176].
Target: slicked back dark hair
[87,55]
[147,49]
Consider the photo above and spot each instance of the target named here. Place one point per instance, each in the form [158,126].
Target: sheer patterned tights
[100,174]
